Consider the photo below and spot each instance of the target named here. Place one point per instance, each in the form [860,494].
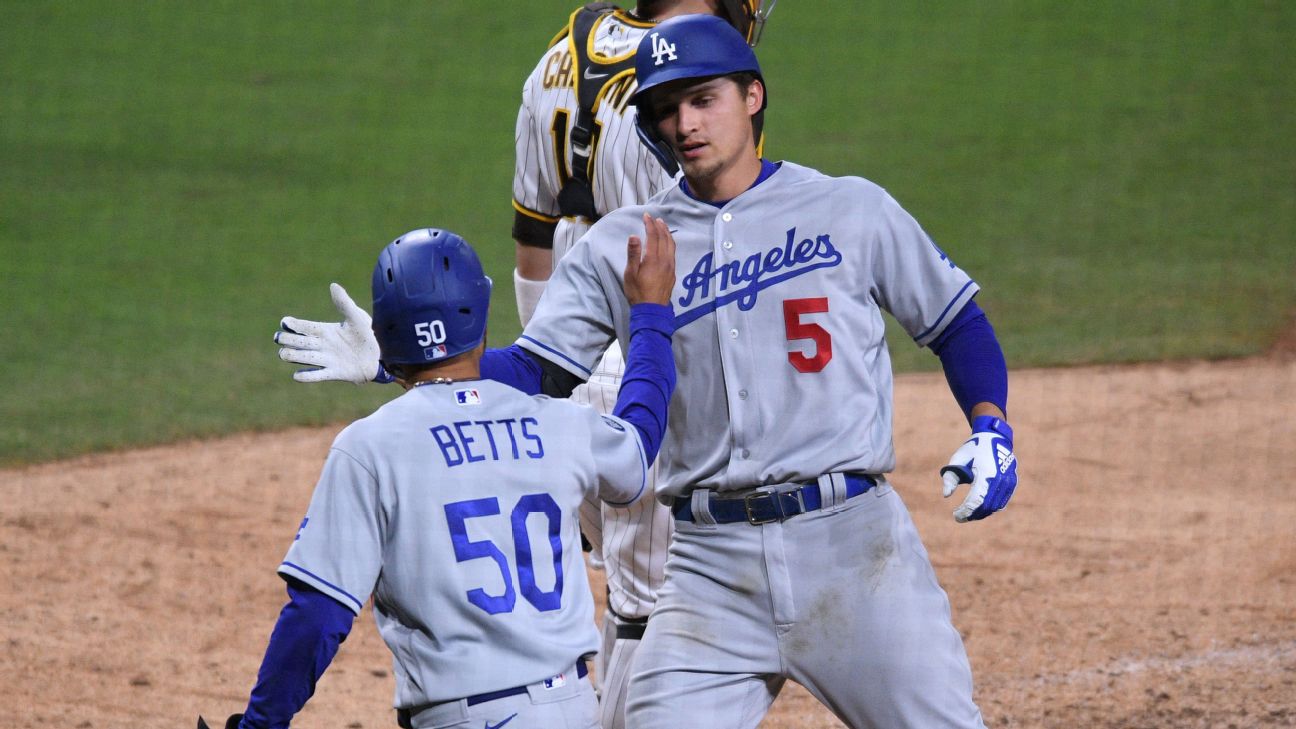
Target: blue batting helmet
[430,298]
[686,47]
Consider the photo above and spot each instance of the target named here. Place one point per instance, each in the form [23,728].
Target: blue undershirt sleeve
[649,377]
[310,628]
[973,360]
[514,367]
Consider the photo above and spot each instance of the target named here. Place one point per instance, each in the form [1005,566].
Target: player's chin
[697,167]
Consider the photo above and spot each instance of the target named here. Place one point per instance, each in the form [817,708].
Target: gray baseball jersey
[779,309]
[454,506]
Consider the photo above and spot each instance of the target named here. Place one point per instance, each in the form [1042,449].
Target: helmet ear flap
[646,129]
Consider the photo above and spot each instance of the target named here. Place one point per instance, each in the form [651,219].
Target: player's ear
[755,99]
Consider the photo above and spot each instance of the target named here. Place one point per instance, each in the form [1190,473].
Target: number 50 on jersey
[467,550]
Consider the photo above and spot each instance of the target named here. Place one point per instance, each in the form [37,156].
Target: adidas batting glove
[987,462]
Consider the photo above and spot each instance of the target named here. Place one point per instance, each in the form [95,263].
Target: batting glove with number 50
[345,350]
[987,462]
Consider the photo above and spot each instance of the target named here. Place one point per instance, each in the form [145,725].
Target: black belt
[403,716]
[630,628]
[762,507]
[627,628]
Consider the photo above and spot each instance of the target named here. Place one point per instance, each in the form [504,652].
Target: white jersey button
[727,217]
[733,333]
[746,453]
[728,244]
[742,394]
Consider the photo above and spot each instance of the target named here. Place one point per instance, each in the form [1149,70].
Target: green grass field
[1121,179]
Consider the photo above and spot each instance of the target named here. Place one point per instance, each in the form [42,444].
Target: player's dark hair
[744,79]
[406,371]
[649,8]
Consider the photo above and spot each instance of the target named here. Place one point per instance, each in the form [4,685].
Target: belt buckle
[747,505]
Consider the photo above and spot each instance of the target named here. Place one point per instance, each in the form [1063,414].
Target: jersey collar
[767,168]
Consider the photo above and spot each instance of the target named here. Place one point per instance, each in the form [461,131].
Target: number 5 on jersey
[466,550]
[796,328]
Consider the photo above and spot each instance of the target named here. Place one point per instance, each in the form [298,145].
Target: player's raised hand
[650,264]
[345,350]
[987,462]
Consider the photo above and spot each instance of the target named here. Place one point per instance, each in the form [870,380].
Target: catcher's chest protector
[592,78]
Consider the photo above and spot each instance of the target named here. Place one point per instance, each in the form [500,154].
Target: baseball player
[792,556]
[455,506]
[577,158]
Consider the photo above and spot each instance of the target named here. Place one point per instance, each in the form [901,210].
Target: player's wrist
[527,291]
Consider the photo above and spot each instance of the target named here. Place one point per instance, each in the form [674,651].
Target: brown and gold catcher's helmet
[748,16]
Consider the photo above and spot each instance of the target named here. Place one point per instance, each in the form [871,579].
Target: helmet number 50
[430,332]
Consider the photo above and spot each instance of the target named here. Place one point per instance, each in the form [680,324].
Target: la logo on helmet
[662,51]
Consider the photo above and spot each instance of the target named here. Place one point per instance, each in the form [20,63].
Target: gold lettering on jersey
[558,71]
[619,92]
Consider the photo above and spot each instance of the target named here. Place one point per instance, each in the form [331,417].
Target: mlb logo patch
[436,352]
[467,397]
[556,682]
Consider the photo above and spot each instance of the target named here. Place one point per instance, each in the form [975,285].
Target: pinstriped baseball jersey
[630,543]
[454,506]
[779,309]
[623,172]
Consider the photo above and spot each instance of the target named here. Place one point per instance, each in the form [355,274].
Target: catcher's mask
[748,16]
[430,298]
[687,47]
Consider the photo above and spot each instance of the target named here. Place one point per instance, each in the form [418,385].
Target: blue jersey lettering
[449,448]
[467,441]
[462,441]
[742,281]
[533,437]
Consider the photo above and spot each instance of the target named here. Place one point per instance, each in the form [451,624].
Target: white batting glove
[345,351]
[987,462]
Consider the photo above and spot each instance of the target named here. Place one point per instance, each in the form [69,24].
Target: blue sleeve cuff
[654,317]
[973,360]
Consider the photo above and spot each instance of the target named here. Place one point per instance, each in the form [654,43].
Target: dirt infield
[1143,576]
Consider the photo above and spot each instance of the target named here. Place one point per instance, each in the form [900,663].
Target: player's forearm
[310,628]
[649,377]
[529,277]
[974,364]
[533,263]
